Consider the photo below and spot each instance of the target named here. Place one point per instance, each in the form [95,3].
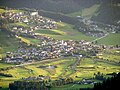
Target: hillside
[108,13]
[111,39]
[7,42]
[64,6]
[103,12]
[50,50]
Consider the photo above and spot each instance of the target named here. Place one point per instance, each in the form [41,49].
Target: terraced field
[66,67]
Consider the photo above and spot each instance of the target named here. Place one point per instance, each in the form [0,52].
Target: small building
[34,13]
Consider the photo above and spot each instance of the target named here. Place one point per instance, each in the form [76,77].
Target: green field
[7,42]
[111,39]
[85,69]
[65,32]
[88,67]
[4,65]
[19,24]
[110,55]
[29,41]
[48,32]
[32,40]
[71,87]
[87,12]
[3,10]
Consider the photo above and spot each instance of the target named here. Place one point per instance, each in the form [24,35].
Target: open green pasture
[19,24]
[3,10]
[5,65]
[111,39]
[71,87]
[49,32]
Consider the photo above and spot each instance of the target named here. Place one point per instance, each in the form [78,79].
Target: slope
[7,42]
[111,39]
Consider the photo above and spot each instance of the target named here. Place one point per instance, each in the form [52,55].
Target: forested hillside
[108,12]
[64,6]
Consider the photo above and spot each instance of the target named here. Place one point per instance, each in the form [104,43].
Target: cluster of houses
[86,81]
[50,49]
[26,22]
[96,29]
[40,77]
[90,28]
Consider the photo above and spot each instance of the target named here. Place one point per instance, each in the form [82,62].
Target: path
[100,37]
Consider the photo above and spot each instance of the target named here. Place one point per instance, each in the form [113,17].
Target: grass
[65,32]
[7,42]
[16,11]
[19,24]
[89,12]
[4,65]
[59,31]
[111,39]
[71,87]
[86,12]
[20,72]
[24,40]
[111,55]
[37,71]
[32,40]
[88,67]
[3,10]
[49,32]
[85,69]
[28,40]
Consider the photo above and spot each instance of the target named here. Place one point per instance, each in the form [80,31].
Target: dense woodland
[109,84]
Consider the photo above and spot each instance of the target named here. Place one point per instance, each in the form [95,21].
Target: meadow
[111,39]
[7,43]
[86,12]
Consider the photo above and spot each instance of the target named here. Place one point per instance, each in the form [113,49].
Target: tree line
[39,85]
[107,84]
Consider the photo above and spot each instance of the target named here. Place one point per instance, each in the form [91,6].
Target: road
[100,37]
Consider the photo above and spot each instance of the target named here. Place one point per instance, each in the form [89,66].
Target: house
[34,13]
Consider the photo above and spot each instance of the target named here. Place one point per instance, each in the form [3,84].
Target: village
[96,29]
[27,21]
[48,48]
